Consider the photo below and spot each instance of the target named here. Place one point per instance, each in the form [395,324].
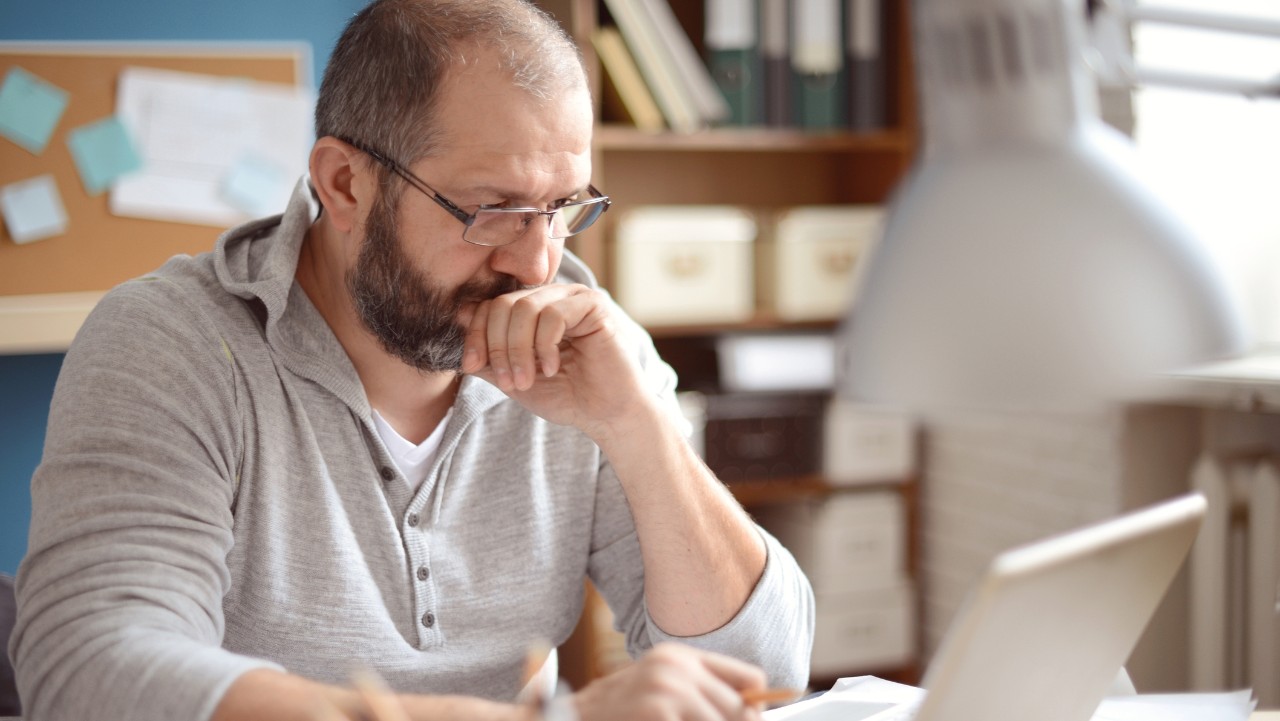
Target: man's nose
[528,258]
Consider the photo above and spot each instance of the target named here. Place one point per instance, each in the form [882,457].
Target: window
[1216,157]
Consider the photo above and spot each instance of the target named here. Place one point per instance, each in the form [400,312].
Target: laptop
[1049,625]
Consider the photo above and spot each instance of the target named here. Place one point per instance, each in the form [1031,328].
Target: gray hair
[382,83]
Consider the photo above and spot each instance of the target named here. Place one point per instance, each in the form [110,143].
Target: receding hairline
[534,50]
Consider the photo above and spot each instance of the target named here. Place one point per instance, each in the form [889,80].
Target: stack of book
[813,64]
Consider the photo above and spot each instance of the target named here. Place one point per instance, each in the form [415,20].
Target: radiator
[1235,578]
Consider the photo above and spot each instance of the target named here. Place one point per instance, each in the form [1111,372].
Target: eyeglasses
[494,227]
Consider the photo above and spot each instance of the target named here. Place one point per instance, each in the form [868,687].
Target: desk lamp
[1023,263]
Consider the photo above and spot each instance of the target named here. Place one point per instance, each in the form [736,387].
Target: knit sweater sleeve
[775,626]
[120,595]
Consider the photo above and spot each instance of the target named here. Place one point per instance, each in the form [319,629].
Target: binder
[733,55]
[624,80]
[775,32]
[817,59]
[864,65]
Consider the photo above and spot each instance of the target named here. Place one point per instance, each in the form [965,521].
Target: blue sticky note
[256,187]
[30,109]
[103,152]
[33,209]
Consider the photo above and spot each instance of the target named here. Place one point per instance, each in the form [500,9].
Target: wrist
[643,421]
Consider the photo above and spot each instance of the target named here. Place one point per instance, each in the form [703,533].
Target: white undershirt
[413,460]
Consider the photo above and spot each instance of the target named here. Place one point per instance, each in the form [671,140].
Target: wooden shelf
[763,140]
[781,490]
[43,323]
[762,322]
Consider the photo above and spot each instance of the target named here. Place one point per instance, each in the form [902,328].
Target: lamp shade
[1023,262]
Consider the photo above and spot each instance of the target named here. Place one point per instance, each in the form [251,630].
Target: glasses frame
[469,219]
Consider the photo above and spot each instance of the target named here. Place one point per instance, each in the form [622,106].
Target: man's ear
[339,175]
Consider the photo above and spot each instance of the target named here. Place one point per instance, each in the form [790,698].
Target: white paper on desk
[858,698]
[193,132]
[1227,706]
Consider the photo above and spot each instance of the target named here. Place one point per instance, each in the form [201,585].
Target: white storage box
[864,631]
[864,444]
[685,264]
[847,542]
[807,271]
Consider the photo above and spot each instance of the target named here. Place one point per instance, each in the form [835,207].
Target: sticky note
[256,187]
[30,109]
[103,152]
[33,209]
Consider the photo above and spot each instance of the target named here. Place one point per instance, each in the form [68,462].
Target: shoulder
[175,312]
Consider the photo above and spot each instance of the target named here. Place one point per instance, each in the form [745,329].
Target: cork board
[100,250]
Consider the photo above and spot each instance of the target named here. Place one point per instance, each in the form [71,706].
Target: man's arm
[277,696]
[563,351]
[120,594]
[669,683]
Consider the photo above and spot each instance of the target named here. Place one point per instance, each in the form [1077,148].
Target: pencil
[768,695]
[380,702]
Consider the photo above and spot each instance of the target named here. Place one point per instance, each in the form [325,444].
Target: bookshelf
[763,169]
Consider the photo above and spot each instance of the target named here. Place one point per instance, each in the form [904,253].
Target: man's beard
[413,319]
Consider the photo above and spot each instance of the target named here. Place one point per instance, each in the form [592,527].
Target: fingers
[518,334]
[738,674]
[696,684]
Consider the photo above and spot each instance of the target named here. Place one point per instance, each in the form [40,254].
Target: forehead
[487,123]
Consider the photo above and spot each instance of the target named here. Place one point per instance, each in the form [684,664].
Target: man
[393,428]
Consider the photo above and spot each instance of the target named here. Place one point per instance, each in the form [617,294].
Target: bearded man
[394,427]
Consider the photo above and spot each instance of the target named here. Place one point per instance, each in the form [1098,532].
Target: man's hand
[673,683]
[558,350]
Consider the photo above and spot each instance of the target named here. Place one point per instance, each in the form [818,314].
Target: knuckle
[525,304]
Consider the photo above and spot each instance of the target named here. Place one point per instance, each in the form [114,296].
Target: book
[657,66]
[775,31]
[733,55]
[817,59]
[698,84]
[624,86]
[865,100]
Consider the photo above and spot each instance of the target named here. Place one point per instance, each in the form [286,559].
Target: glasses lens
[575,218]
[500,226]
[495,226]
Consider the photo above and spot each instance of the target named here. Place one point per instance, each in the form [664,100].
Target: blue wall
[26,385]
[26,382]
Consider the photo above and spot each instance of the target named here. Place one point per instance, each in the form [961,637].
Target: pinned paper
[211,144]
[30,109]
[33,209]
[103,152]
[257,187]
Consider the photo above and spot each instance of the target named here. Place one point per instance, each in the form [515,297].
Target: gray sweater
[214,498]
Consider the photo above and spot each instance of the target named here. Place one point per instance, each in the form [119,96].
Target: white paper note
[196,135]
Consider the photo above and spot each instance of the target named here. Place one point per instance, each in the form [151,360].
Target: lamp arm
[1112,56]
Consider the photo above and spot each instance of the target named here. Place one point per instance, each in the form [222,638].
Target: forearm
[702,554]
[275,696]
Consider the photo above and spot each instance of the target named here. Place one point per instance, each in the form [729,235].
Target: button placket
[422,586]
